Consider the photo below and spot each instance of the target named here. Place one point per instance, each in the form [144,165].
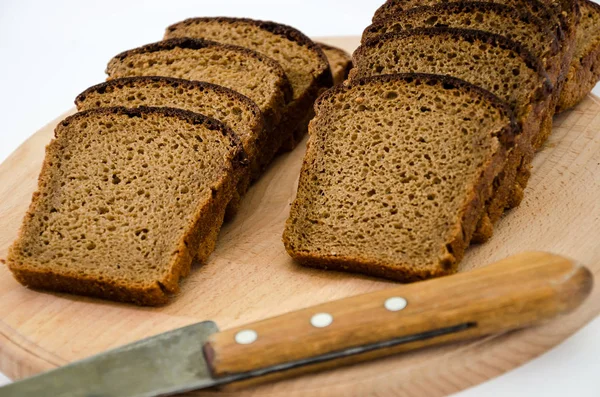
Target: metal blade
[168,363]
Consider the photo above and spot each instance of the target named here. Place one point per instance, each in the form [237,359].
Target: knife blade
[519,291]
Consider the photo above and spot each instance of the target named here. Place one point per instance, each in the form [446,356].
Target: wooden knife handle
[518,291]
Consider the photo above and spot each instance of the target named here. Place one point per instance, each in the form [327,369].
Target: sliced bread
[233,109]
[519,26]
[230,107]
[126,198]
[339,60]
[489,61]
[251,74]
[560,16]
[584,70]
[303,61]
[396,173]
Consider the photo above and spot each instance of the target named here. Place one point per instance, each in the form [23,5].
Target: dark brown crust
[471,211]
[197,44]
[463,7]
[201,232]
[584,72]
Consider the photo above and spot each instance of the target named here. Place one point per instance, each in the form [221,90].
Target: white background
[50,51]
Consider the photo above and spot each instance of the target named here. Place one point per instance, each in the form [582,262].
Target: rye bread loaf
[490,61]
[339,60]
[303,61]
[230,107]
[251,74]
[519,26]
[584,70]
[395,175]
[126,198]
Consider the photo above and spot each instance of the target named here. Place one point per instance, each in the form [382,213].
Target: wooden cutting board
[250,277]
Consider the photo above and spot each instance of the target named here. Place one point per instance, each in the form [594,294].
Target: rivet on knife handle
[518,291]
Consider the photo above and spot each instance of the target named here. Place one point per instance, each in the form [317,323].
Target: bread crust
[299,110]
[454,249]
[583,71]
[199,230]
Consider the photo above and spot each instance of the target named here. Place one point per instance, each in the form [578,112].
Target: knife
[519,291]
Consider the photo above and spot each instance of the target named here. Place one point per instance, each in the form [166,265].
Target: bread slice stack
[502,67]
[304,62]
[574,22]
[236,111]
[520,51]
[136,186]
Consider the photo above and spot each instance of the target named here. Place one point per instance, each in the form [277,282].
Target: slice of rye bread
[340,62]
[490,61]
[248,72]
[126,198]
[395,175]
[303,61]
[584,71]
[230,107]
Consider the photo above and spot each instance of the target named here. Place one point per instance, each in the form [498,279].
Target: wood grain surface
[250,277]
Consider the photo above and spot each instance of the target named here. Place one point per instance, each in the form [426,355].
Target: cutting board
[250,276]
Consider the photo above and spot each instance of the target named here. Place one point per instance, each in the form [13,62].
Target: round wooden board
[250,277]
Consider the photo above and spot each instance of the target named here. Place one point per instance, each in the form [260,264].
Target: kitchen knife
[516,292]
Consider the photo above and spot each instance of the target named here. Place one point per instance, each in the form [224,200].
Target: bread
[230,107]
[303,61]
[126,198]
[395,175]
[584,70]
[519,26]
[489,61]
[339,60]
[251,74]
[560,16]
